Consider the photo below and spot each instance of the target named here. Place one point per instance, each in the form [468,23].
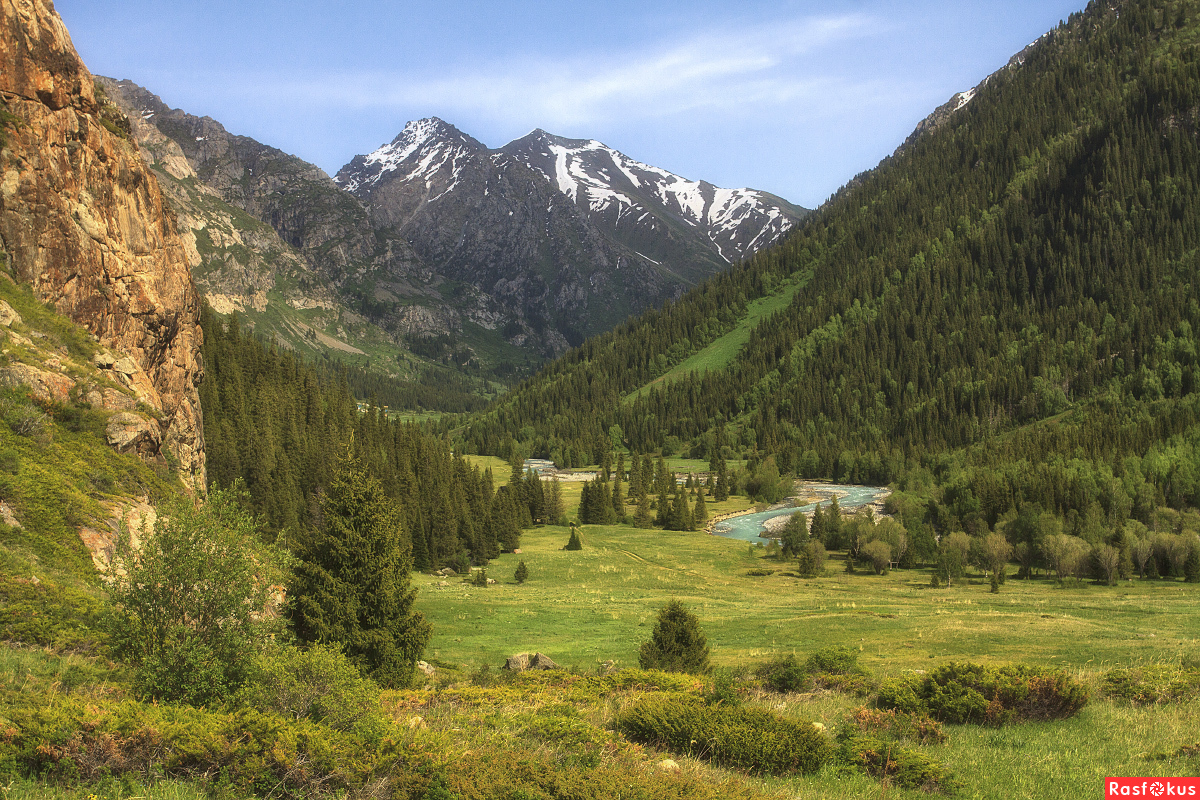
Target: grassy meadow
[720,353]
[585,607]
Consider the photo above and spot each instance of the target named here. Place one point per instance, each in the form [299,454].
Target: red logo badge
[1151,787]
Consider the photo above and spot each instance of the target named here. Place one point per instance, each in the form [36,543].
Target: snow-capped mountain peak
[423,148]
[627,192]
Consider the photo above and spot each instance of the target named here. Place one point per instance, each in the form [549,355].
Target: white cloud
[726,71]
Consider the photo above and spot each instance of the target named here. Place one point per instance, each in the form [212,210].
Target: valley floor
[585,607]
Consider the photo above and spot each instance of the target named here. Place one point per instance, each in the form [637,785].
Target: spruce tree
[664,510]
[642,519]
[816,526]
[700,513]
[721,490]
[554,503]
[575,542]
[662,478]
[833,526]
[681,516]
[1191,567]
[677,643]
[351,586]
[635,477]
[618,501]
[522,573]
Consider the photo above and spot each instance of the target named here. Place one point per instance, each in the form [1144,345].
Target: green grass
[124,788]
[721,353]
[597,604]
[583,608]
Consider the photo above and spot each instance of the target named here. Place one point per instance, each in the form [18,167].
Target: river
[749,527]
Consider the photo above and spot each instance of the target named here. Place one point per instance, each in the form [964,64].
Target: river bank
[760,526]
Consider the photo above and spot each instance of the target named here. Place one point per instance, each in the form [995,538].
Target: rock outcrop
[84,223]
[523,662]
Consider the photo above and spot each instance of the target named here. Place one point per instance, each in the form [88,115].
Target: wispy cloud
[728,70]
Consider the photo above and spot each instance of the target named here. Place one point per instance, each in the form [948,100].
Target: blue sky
[787,96]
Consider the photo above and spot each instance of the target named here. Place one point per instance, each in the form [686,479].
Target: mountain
[665,217]
[1007,304]
[487,221]
[435,247]
[574,234]
[84,224]
[279,242]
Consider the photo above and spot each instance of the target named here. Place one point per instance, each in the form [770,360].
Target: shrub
[319,684]
[1158,683]
[835,660]
[962,693]
[677,643]
[193,604]
[902,694]
[784,674]
[899,725]
[574,543]
[893,763]
[743,737]
[480,578]
[722,689]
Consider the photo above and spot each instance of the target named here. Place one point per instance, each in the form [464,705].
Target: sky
[788,96]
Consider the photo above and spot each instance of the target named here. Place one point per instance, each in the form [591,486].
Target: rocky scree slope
[272,227]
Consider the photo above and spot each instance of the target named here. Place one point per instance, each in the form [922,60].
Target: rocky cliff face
[83,221]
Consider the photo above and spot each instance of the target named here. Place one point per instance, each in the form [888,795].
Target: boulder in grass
[528,661]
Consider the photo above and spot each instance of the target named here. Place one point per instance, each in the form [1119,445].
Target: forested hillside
[280,426]
[1017,286]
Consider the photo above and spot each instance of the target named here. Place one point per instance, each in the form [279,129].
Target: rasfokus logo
[1151,787]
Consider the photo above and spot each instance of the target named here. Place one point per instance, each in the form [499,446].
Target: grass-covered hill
[1017,285]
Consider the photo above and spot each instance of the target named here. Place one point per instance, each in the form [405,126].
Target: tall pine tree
[351,586]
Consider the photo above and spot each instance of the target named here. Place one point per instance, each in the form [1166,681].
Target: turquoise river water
[749,527]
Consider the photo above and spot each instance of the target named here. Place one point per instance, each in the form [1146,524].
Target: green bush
[1157,683]
[784,674]
[723,689]
[835,660]
[837,668]
[893,763]
[743,737]
[902,693]
[318,684]
[974,693]
[193,603]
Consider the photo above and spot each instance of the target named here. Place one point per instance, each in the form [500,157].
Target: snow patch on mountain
[591,174]
[424,148]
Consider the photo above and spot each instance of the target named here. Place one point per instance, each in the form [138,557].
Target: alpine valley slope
[1015,289]
[434,237]
[274,239]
